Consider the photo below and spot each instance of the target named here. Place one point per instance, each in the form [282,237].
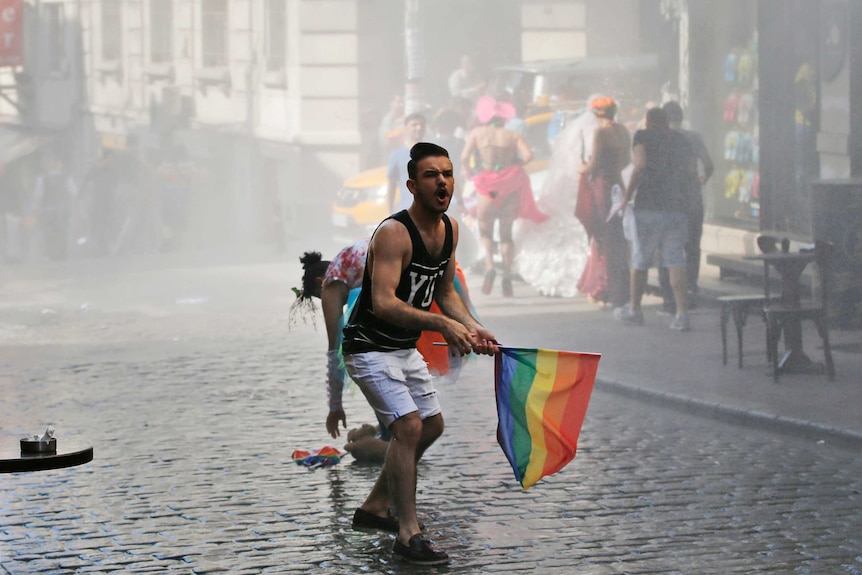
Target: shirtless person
[502,186]
[411,262]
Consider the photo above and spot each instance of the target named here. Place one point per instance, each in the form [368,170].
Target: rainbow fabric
[323,457]
[542,399]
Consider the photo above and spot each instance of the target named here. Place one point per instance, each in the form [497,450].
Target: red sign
[11,32]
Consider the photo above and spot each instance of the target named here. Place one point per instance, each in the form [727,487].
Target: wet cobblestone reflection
[192,474]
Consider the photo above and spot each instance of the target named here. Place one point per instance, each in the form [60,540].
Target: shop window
[276,35]
[740,155]
[55,33]
[161,29]
[112,31]
[215,33]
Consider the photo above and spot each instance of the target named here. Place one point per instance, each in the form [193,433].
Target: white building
[274,99]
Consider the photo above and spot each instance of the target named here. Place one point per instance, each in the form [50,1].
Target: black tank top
[365,331]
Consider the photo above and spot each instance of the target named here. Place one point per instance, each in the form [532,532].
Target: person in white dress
[552,255]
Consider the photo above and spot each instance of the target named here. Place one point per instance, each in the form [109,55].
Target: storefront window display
[738,164]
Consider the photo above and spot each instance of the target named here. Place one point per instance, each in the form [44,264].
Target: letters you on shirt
[423,283]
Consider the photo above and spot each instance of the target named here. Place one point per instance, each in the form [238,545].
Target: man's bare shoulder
[391,238]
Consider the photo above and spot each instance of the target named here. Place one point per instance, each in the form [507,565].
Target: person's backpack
[55,191]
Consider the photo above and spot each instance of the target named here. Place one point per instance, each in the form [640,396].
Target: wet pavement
[194,393]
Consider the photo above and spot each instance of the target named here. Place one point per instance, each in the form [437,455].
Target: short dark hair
[674,112]
[656,118]
[421,151]
[415,116]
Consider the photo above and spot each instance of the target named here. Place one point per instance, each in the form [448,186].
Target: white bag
[617,199]
[629,230]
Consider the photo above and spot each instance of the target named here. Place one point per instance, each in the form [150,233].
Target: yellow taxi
[360,204]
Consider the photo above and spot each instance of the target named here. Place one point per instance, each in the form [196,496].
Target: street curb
[750,418]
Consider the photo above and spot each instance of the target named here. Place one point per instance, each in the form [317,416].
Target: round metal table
[70,452]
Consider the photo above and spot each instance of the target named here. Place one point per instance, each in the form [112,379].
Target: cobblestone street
[194,408]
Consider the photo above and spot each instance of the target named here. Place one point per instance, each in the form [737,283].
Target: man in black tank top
[410,263]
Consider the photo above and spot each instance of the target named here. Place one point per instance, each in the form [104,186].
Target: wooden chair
[737,307]
[815,310]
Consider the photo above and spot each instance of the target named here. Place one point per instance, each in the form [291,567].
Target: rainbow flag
[542,398]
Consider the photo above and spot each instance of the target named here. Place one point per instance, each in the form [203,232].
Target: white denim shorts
[395,383]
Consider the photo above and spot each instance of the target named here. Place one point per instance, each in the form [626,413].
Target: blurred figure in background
[658,185]
[553,255]
[649,105]
[503,188]
[600,192]
[701,171]
[464,82]
[53,202]
[398,196]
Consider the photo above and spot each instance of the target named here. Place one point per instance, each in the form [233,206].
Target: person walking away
[658,184]
[397,195]
[703,170]
[410,262]
[552,256]
[503,188]
[54,197]
[605,278]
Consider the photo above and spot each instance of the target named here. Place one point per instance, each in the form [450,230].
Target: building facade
[278,101]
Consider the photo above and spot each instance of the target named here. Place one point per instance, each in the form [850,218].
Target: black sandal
[488,284]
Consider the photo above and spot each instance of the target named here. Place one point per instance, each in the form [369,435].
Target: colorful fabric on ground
[323,457]
[542,398]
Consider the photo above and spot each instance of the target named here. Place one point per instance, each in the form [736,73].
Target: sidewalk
[684,370]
